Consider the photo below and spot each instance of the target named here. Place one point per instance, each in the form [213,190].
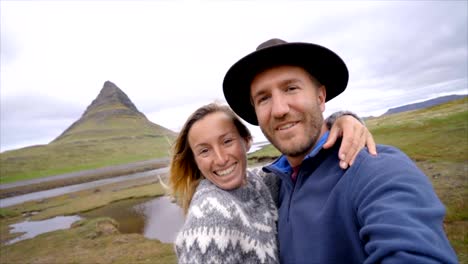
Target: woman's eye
[203,151]
[227,141]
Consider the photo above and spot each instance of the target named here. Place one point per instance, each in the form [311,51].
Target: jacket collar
[282,164]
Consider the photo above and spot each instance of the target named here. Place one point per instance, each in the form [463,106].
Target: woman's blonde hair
[184,175]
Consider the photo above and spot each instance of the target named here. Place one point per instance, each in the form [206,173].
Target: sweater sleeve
[400,216]
[271,181]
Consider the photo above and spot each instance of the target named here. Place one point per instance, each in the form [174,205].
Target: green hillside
[438,133]
[63,157]
[110,132]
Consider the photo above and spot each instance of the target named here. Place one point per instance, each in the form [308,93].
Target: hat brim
[322,63]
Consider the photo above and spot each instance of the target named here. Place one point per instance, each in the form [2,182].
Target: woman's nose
[221,156]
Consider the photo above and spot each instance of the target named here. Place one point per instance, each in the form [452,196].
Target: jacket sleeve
[400,216]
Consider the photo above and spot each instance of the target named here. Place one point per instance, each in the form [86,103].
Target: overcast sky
[170,57]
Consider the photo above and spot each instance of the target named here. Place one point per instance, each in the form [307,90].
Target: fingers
[371,145]
[334,134]
[358,143]
[350,130]
[355,137]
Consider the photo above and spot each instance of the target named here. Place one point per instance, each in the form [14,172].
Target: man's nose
[280,106]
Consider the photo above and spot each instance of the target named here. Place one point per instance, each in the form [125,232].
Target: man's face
[289,107]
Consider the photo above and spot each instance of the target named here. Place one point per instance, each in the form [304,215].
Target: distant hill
[425,104]
[111,131]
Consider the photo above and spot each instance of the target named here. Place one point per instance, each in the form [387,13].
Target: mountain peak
[110,88]
[109,83]
[111,107]
[111,95]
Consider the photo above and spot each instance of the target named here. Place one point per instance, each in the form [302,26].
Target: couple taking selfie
[319,202]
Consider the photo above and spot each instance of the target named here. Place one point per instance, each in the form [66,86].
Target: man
[381,209]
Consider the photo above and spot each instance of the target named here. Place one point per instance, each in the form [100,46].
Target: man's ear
[321,96]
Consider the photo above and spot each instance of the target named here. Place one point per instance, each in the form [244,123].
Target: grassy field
[92,144]
[54,159]
[88,241]
[91,241]
[265,154]
[435,138]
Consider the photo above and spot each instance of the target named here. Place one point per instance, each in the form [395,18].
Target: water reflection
[129,219]
[155,218]
[163,219]
[34,228]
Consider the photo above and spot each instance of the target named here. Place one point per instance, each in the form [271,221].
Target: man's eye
[291,88]
[262,99]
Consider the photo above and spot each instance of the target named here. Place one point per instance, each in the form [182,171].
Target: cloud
[27,122]
[400,53]
[171,57]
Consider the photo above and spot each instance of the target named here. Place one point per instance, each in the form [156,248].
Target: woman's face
[219,151]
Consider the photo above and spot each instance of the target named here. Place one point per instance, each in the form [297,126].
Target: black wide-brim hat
[323,64]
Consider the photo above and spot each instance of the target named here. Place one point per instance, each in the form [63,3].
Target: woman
[230,212]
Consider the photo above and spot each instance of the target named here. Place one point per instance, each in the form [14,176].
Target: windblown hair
[184,175]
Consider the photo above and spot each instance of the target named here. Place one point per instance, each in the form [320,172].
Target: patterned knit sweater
[236,226]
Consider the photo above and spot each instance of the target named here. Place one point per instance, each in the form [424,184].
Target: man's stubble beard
[301,149]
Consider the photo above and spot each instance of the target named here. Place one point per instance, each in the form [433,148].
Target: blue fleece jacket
[381,210]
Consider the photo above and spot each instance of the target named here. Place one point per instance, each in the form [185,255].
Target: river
[154,218]
[77,187]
